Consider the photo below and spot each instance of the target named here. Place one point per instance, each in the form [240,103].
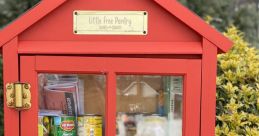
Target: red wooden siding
[58,25]
[83,47]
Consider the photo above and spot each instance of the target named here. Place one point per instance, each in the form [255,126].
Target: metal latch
[18,96]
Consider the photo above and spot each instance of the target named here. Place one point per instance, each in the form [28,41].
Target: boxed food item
[137,94]
[94,94]
[61,98]
[60,92]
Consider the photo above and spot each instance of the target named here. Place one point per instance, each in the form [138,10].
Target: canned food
[90,125]
[43,126]
[46,124]
[63,126]
[40,126]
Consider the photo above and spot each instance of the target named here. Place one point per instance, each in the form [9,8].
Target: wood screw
[26,86]
[9,87]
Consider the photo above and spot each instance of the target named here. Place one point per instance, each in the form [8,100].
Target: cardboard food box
[63,99]
[94,94]
[138,93]
[141,98]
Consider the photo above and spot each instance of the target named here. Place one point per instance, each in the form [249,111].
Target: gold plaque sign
[111,22]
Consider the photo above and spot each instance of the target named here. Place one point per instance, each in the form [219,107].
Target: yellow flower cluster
[238,89]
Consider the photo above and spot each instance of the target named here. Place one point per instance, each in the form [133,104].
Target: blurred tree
[241,13]
[11,9]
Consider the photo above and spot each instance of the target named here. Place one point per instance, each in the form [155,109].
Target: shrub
[238,89]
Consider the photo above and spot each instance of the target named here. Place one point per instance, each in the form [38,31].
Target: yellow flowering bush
[238,89]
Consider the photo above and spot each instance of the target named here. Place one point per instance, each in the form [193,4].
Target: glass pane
[71,105]
[149,105]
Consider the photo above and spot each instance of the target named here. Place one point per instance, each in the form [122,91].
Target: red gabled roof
[172,6]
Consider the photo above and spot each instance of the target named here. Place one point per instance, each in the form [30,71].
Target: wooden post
[29,117]
[111,104]
[208,98]
[11,74]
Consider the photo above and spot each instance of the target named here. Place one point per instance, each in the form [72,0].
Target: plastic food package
[59,93]
[152,126]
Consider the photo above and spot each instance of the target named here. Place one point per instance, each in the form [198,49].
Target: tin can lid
[82,115]
[151,114]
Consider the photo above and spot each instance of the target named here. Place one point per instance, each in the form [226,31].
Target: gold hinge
[18,95]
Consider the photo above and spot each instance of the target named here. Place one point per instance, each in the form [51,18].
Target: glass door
[149,105]
[94,96]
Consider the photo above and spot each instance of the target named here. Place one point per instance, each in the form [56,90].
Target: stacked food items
[84,125]
[74,105]
[57,126]
[141,124]
[62,108]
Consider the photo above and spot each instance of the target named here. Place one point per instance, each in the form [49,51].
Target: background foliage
[11,9]
[243,14]
[238,89]
[237,84]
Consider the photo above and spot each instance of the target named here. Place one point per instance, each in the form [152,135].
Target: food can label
[67,125]
[40,130]
[63,126]
[90,126]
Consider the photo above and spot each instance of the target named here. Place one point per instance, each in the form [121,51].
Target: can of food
[40,126]
[63,126]
[89,125]
[43,126]
[46,124]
